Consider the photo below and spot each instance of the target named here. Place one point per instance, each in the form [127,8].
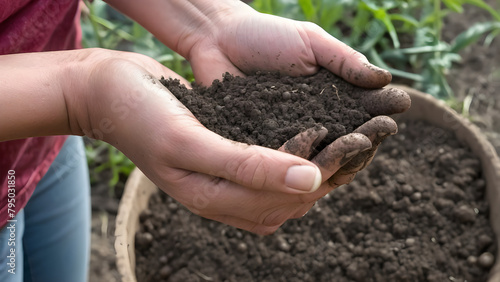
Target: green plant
[404,37]
[101,156]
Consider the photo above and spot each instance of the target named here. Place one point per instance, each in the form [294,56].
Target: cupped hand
[249,187]
[246,41]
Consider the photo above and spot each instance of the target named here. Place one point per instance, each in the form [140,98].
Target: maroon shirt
[32,26]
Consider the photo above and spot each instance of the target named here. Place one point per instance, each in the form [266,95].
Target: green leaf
[440,47]
[358,24]
[309,10]
[377,60]
[490,37]
[407,19]
[473,34]
[330,15]
[381,15]
[454,5]
[268,6]
[374,35]
[112,27]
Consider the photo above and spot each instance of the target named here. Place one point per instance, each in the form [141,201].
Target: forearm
[32,95]
[179,24]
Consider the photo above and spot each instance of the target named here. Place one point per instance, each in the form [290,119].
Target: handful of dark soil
[267,109]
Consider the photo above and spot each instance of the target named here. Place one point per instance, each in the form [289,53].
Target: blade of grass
[381,15]
[473,34]
[309,10]
[94,24]
[440,47]
[491,36]
[377,60]
[407,19]
[454,5]
[111,26]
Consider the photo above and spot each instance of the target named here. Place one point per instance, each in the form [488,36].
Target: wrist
[77,86]
[34,99]
[180,24]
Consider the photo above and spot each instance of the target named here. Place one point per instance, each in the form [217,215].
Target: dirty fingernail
[321,131]
[303,178]
[383,134]
[352,154]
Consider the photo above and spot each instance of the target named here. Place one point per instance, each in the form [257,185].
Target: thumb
[344,61]
[251,166]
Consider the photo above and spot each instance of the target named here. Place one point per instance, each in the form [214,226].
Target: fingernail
[352,154]
[303,178]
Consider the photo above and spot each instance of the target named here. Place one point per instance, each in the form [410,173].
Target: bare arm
[32,100]
[179,24]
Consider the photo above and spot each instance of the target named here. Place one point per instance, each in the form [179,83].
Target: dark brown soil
[417,213]
[267,109]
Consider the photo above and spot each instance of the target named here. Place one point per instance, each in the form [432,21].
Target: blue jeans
[52,233]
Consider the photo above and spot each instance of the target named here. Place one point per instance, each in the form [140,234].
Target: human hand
[249,187]
[245,41]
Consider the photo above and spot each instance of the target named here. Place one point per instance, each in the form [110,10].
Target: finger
[211,197]
[212,65]
[344,61]
[340,152]
[376,129]
[201,150]
[304,143]
[387,101]
[340,179]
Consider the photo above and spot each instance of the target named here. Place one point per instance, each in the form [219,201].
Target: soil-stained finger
[378,128]
[304,143]
[386,101]
[358,162]
[340,152]
[344,61]
[340,179]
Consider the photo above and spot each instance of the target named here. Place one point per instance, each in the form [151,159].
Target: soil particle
[267,109]
[486,260]
[374,229]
